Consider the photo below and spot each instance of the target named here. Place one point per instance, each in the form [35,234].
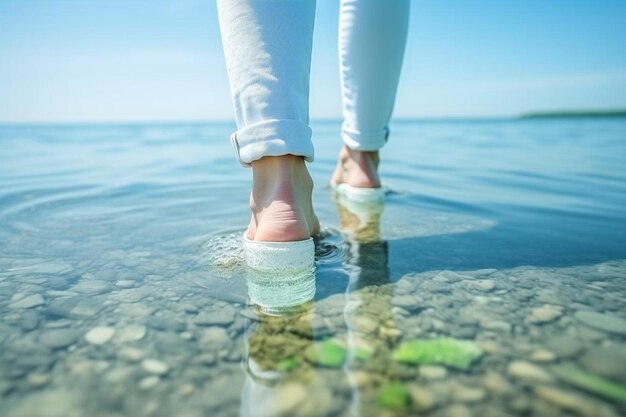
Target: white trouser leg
[372,36]
[267,45]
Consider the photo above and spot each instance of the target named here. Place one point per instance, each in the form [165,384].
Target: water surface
[122,290]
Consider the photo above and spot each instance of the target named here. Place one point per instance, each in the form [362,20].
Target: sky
[155,60]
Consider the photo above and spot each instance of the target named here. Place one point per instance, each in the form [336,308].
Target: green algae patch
[394,396]
[362,354]
[287,365]
[454,353]
[327,353]
[592,383]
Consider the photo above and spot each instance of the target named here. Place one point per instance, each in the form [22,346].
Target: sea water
[490,282]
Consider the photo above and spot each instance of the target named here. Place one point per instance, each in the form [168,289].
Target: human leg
[267,46]
[372,37]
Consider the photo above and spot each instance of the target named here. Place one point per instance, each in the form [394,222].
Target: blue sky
[156,60]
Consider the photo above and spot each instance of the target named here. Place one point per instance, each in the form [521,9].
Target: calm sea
[491,282]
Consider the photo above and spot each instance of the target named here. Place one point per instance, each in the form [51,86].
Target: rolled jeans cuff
[364,141]
[272,138]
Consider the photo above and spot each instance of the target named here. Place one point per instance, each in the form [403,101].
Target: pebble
[496,383]
[155,366]
[73,308]
[57,283]
[604,361]
[166,323]
[99,335]
[125,283]
[214,338]
[29,320]
[37,380]
[540,315]
[432,372]
[58,338]
[423,399]
[364,324]
[467,394]
[149,382]
[58,324]
[286,400]
[457,410]
[448,277]
[91,287]
[249,314]
[51,402]
[209,358]
[527,371]
[542,355]
[131,354]
[573,401]
[490,346]
[496,325]
[564,346]
[480,272]
[186,335]
[484,285]
[186,389]
[362,379]
[605,322]
[49,268]
[130,333]
[221,317]
[408,302]
[26,301]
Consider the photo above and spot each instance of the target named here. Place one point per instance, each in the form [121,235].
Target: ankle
[280,200]
[361,167]
[282,175]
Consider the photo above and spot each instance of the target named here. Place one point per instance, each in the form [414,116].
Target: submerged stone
[130,333]
[58,338]
[573,401]
[592,383]
[605,322]
[51,267]
[454,353]
[603,359]
[99,335]
[219,317]
[394,396]
[91,287]
[327,353]
[28,301]
[155,366]
[527,371]
[545,314]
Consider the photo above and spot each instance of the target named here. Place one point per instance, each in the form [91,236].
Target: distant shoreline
[530,115]
[582,113]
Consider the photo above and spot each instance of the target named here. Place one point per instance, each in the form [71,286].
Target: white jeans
[267,45]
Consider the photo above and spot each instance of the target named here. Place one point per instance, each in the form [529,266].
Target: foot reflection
[279,380]
[281,295]
[370,328]
[296,348]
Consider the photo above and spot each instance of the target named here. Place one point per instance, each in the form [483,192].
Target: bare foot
[357,168]
[282,210]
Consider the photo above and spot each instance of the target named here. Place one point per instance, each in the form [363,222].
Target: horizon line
[525,115]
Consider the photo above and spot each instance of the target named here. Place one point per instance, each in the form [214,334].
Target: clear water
[507,236]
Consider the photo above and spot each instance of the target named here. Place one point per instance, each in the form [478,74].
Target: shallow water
[122,289]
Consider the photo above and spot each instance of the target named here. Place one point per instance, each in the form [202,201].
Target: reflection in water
[368,265]
[285,358]
[279,295]
[276,342]
[511,252]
